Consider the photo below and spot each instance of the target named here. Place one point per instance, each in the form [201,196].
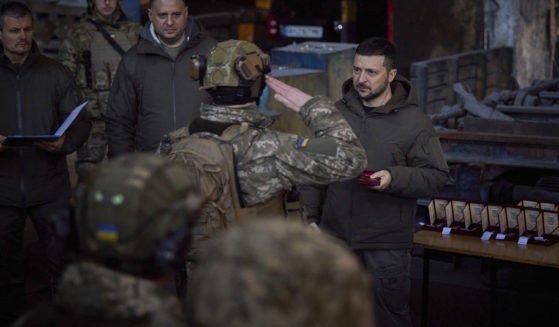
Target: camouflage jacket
[93,61]
[93,295]
[269,162]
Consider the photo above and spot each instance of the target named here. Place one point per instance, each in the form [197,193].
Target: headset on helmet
[232,71]
[136,214]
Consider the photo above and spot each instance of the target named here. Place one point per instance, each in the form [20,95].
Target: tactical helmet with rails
[232,72]
[136,214]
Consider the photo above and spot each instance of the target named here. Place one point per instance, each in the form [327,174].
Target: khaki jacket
[397,137]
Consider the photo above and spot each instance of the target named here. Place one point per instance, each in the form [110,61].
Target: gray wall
[522,25]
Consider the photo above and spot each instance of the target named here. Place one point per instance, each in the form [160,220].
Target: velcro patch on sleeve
[326,146]
[303,141]
[107,233]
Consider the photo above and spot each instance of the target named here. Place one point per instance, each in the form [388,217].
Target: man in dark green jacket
[36,96]
[377,222]
[152,93]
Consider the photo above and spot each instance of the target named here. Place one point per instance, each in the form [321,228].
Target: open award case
[456,218]
[490,218]
[548,226]
[437,214]
[472,218]
[508,222]
[530,223]
[549,206]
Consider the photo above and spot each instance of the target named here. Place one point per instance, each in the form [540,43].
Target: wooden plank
[437,79]
[502,250]
[477,70]
[435,66]
[514,127]
[497,138]
[476,108]
[467,72]
[436,93]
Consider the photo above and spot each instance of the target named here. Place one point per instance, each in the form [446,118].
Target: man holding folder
[36,95]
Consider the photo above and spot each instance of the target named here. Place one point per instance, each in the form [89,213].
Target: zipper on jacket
[20,132]
[18,105]
[173,94]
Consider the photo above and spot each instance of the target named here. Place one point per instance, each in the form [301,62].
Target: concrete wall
[523,25]
[426,29]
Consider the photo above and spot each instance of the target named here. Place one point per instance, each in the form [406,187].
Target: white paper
[446,230]
[523,240]
[500,236]
[486,236]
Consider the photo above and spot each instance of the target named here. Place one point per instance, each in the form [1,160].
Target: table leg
[425,288]
[493,292]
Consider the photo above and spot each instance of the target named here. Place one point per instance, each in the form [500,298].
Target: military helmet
[278,274]
[232,64]
[136,212]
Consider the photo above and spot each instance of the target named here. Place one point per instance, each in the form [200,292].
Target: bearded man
[377,222]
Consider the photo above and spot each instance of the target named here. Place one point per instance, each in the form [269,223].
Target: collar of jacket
[149,45]
[403,95]
[90,289]
[33,55]
[225,114]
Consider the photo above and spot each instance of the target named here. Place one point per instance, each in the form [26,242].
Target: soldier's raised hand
[289,96]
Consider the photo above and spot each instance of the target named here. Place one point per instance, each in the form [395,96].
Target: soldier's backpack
[211,156]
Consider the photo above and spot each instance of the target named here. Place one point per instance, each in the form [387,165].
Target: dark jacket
[35,98]
[399,138]
[152,94]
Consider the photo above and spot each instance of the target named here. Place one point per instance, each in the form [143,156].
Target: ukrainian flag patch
[112,35]
[107,233]
[303,141]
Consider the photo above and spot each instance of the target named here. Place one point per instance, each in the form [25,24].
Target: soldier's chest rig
[107,48]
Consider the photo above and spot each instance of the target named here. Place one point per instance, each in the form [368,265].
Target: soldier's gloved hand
[289,96]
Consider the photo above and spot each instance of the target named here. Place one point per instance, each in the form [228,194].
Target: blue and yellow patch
[303,141]
[112,35]
[107,233]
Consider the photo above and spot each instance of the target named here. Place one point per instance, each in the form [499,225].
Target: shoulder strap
[227,150]
[271,208]
[232,131]
[107,37]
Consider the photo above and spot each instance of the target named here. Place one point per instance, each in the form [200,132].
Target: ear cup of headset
[252,66]
[198,67]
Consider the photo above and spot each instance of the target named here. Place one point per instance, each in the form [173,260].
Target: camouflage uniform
[92,295]
[278,274]
[94,62]
[268,162]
